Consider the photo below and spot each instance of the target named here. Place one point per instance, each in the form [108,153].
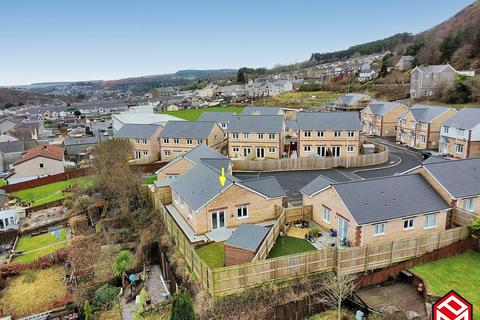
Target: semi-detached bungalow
[181,136]
[377,210]
[206,210]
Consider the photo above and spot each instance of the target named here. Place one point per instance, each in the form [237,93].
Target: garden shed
[243,244]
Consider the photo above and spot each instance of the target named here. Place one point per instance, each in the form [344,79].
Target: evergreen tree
[87,310]
[182,307]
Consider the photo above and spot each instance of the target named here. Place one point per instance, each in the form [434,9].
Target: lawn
[460,273]
[27,243]
[51,192]
[194,114]
[150,179]
[33,292]
[3,182]
[290,245]
[34,255]
[331,315]
[213,254]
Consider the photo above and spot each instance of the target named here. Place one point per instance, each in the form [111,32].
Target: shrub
[105,296]
[475,227]
[87,311]
[182,307]
[68,203]
[82,203]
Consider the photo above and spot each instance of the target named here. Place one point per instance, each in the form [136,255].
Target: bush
[67,203]
[182,307]
[87,311]
[475,227]
[105,296]
[82,203]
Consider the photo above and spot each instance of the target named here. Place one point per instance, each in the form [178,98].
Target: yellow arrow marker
[222,178]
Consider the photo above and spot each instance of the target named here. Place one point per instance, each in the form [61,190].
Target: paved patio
[325,241]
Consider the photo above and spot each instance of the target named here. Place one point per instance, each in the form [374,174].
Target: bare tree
[337,287]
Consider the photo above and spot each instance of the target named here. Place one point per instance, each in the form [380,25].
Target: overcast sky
[66,40]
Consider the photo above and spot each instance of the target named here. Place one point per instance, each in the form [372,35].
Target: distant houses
[353,101]
[405,63]
[380,118]
[426,81]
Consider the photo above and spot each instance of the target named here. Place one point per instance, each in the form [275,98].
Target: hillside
[14,97]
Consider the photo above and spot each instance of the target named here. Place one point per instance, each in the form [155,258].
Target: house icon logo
[452,307]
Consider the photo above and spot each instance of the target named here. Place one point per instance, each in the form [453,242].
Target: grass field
[300,99]
[39,246]
[51,192]
[212,254]
[33,292]
[460,273]
[150,179]
[290,245]
[194,114]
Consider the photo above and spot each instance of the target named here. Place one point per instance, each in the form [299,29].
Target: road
[400,160]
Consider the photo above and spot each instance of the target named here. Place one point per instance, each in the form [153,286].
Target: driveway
[400,160]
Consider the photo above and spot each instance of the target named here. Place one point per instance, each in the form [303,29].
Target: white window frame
[459,148]
[260,136]
[145,153]
[320,134]
[144,141]
[351,134]
[307,134]
[336,154]
[176,141]
[408,224]
[461,133]
[271,136]
[235,149]
[234,135]
[326,214]
[350,148]
[165,140]
[272,149]
[246,136]
[427,217]
[189,141]
[307,148]
[445,129]
[166,152]
[242,212]
[337,134]
[471,204]
[377,231]
[199,141]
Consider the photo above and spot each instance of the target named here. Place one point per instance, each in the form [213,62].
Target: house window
[445,129]
[336,151]
[176,141]
[272,149]
[199,141]
[271,136]
[190,213]
[245,136]
[247,151]
[408,224]
[235,135]
[165,140]
[469,204]
[137,140]
[326,215]
[337,134]
[460,133]
[189,141]
[320,134]
[138,154]
[144,141]
[351,134]
[41,165]
[423,139]
[379,229]
[166,152]
[306,148]
[260,136]
[307,134]
[171,176]
[235,149]
[459,148]
[350,148]
[145,153]
[430,220]
[242,212]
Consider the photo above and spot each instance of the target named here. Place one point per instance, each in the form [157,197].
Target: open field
[51,192]
[213,254]
[302,99]
[459,273]
[290,245]
[194,114]
[33,292]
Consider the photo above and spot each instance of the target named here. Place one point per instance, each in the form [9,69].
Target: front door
[218,219]
[260,152]
[342,228]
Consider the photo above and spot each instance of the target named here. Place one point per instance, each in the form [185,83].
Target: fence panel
[463,218]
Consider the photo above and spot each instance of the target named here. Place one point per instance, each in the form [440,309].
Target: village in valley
[346,186]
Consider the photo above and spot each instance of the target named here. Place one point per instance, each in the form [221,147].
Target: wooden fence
[233,279]
[461,217]
[271,237]
[313,163]
[295,214]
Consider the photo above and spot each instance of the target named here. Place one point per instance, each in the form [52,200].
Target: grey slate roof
[200,185]
[466,118]
[82,140]
[434,159]
[137,131]
[219,117]
[434,68]
[202,151]
[328,121]
[256,124]
[382,107]
[291,124]
[248,237]
[351,98]
[268,186]
[317,184]
[461,178]
[377,200]
[12,146]
[216,164]
[261,111]
[426,113]
[188,129]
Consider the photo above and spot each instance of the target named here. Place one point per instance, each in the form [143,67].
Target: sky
[72,40]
